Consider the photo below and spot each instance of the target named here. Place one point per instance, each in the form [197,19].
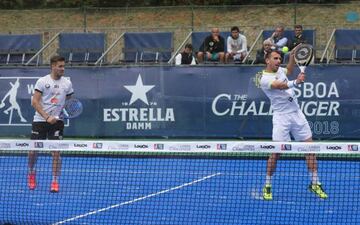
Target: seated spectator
[213,47]
[186,57]
[278,39]
[236,46]
[260,54]
[298,38]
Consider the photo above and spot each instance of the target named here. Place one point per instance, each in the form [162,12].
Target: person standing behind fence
[48,100]
[186,57]
[236,46]
[213,47]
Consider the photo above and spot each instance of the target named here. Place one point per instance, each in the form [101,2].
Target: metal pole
[43,48]
[327,46]
[295,12]
[126,14]
[180,47]
[192,15]
[107,50]
[253,46]
[84,16]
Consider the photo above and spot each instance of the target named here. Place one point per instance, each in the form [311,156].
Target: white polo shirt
[238,45]
[53,95]
[282,101]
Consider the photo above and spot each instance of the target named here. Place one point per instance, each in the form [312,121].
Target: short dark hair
[298,26]
[188,45]
[268,53]
[235,28]
[56,58]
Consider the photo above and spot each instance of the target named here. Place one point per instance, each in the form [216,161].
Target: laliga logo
[98,145]
[353,147]
[159,146]
[286,147]
[221,146]
[137,118]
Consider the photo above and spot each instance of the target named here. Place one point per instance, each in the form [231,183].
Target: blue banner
[201,101]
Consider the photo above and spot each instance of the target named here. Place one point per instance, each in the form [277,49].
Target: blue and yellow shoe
[267,194]
[318,190]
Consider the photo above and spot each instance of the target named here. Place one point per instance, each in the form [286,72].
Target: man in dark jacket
[298,38]
[186,57]
[213,47]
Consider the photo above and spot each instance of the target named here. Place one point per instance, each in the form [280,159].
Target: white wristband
[291,83]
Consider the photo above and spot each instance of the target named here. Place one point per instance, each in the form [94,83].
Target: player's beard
[59,74]
[275,68]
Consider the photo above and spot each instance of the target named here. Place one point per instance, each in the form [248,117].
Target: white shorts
[294,123]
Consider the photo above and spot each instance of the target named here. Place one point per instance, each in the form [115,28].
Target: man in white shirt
[287,117]
[48,100]
[236,46]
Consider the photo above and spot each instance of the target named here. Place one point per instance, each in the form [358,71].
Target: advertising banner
[198,102]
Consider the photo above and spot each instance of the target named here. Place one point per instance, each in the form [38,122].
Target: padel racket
[72,108]
[303,55]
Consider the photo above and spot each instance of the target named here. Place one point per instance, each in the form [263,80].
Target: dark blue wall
[187,102]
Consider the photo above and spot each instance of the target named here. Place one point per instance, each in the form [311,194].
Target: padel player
[287,117]
[48,100]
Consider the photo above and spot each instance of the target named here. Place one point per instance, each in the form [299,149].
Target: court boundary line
[136,199]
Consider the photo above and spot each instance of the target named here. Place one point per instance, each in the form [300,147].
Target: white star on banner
[139,91]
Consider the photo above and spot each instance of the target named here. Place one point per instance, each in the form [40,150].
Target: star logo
[139,91]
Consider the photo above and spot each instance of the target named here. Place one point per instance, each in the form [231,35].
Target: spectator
[278,38]
[298,38]
[186,57]
[213,47]
[260,54]
[236,46]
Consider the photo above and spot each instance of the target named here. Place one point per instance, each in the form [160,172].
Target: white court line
[137,199]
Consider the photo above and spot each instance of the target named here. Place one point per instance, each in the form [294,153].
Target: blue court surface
[177,191]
